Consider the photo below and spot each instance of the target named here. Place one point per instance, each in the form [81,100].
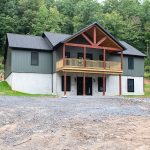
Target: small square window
[34,58]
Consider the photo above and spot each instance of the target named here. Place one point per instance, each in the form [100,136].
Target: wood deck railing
[73,63]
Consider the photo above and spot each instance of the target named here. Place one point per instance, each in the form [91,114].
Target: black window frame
[33,63]
[67,55]
[89,56]
[101,57]
[130,63]
[68,83]
[100,84]
[130,85]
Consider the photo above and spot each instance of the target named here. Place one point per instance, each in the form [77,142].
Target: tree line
[127,20]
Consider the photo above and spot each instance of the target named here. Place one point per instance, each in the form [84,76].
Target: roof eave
[26,48]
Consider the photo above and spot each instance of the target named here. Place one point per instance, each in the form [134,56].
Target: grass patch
[5,89]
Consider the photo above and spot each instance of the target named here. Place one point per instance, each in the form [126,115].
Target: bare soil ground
[146,81]
[74,123]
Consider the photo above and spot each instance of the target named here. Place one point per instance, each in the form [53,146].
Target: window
[35,58]
[80,55]
[101,57]
[68,83]
[130,85]
[88,56]
[100,84]
[130,63]
[67,54]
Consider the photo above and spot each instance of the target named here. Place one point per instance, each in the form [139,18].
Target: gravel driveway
[74,123]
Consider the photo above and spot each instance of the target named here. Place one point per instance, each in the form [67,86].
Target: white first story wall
[51,83]
[32,83]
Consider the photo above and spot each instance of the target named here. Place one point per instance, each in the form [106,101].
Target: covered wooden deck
[89,66]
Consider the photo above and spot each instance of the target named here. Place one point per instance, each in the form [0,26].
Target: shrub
[147,68]
[147,61]
[147,75]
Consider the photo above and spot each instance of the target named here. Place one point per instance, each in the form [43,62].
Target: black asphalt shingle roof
[56,38]
[27,42]
[130,50]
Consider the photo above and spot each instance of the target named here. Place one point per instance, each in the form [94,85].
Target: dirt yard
[74,123]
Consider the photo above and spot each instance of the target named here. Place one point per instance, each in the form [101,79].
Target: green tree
[47,20]
[27,12]
[86,12]
[7,24]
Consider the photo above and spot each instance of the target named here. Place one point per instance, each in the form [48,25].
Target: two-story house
[90,62]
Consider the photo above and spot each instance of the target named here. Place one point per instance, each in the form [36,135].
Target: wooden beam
[94,35]
[88,40]
[104,84]
[89,72]
[84,84]
[65,83]
[104,58]
[101,41]
[121,60]
[120,85]
[64,54]
[111,39]
[92,46]
[84,56]
[66,69]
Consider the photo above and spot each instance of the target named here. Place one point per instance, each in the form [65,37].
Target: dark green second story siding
[21,62]
[138,70]
[8,64]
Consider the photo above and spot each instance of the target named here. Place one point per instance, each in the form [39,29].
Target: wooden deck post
[64,83]
[104,84]
[84,56]
[64,49]
[84,85]
[104,58]
[120,85]
[121,60]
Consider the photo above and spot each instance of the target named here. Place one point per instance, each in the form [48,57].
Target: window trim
[32,64]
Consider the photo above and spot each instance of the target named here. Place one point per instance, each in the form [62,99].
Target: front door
[88,82]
